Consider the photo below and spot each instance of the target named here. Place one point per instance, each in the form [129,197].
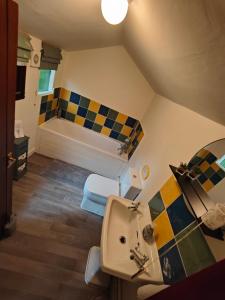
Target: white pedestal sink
[121,232]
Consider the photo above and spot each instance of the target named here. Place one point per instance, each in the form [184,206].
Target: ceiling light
[114,11]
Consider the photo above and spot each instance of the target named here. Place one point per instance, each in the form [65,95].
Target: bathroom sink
[121,232]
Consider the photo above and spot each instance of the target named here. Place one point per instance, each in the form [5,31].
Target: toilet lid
[102,186]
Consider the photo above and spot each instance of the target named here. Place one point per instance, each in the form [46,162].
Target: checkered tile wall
[172,220]
[92,115]
[211,173]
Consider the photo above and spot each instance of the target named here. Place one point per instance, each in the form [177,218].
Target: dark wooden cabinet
[21,155]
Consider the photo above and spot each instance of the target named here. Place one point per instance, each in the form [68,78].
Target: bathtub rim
[42,127]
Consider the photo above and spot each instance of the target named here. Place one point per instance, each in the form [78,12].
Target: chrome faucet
[124,147]
[140,260]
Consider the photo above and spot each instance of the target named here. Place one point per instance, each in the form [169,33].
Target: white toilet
[98,188]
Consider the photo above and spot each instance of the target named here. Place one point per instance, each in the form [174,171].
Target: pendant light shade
[114,11]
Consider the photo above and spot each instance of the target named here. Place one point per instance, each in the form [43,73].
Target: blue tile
[179,215]
[88,124]
[82,112]
[109,123]
[171,264]
[215,178]
[114,134]
[103,110]
[210,158]
[156,206]
[75,98]
[43,107]
[130,122]
[202,178]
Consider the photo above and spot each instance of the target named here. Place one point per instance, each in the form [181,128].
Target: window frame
[50,84]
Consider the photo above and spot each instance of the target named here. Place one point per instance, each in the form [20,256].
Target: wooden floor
[46,257]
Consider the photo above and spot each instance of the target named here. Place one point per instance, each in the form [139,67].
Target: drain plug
[122,240]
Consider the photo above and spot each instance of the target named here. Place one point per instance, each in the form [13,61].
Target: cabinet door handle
[11,159]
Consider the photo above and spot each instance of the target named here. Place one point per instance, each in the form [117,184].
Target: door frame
[8,57]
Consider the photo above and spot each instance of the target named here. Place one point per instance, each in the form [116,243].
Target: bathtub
[77,145]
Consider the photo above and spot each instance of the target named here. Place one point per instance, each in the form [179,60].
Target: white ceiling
[69,24]
[179,45]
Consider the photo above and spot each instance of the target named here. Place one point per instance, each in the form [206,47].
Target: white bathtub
[72,143]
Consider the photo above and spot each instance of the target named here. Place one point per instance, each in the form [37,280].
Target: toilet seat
[96,191]
[101,186]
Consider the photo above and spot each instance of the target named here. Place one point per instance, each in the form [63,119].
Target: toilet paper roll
[215,217]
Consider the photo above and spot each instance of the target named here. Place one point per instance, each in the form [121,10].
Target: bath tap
[124,147]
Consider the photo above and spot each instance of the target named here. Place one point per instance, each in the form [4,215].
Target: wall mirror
[211,162]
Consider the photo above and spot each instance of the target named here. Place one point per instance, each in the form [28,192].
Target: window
[46,81]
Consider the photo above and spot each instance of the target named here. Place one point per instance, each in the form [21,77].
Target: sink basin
[121,232]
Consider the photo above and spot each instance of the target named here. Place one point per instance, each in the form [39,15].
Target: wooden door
[8,54]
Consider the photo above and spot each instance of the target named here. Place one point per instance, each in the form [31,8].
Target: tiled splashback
[92,115]
[211,173]
[172,220]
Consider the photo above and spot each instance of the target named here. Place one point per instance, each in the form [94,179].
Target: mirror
[210,161]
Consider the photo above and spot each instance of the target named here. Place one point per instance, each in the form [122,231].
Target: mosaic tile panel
[172,219]
[92,115]
[48,108]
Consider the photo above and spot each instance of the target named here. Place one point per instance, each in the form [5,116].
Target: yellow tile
[72,108]
[126,130]
[80,120]
[215,167]
[65,94]
[100,119]
[170,191]
[208,185]
[203,153]
[163,230]
[141,135]
[41,119]
[94,106]
[50,97]
[54,104]
[121,118]
[106,131]
[204,166]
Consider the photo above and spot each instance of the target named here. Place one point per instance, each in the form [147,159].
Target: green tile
[91,115]
[112,114]
[84,102]
[121,138]
[117,127]
[194,250]
[156,206]
[70,117]
[96,127]
[63,104]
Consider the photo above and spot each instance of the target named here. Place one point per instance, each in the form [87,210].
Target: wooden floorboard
[45,259]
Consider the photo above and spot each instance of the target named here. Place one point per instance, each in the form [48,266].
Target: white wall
[28,109]
[173,134]
[109,76]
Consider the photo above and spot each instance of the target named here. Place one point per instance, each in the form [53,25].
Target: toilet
[98,188]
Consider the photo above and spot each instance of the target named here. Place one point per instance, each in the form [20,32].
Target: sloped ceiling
[179,45]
